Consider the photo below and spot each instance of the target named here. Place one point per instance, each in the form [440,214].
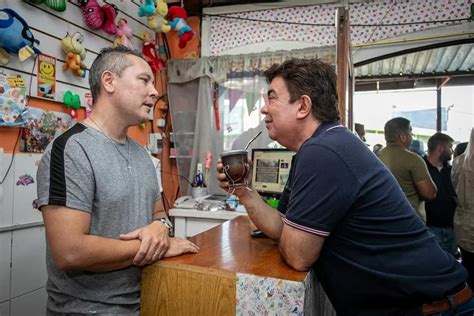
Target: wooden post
[344,67]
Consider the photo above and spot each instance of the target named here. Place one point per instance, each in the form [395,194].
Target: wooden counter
[233,273]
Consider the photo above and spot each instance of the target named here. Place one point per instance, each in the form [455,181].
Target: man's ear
[108,81]
[403,137]
[304,107]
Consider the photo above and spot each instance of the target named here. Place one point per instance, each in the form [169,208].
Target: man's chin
[140,120]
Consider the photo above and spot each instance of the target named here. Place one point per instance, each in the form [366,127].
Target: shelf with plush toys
[68,35]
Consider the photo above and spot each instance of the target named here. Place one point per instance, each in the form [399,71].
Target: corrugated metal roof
[449,60]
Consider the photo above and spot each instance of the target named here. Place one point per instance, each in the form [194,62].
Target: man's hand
[179,246]
[154,242]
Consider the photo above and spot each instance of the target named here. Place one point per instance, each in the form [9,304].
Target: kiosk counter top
[230,247]
[232,274]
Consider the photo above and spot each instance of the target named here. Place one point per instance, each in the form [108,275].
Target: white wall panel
[5,308]
[5,259]
[23,212]
[28,260]
[33,303]
[6,200]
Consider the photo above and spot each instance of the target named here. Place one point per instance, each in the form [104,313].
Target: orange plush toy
[75,54]
[177,18]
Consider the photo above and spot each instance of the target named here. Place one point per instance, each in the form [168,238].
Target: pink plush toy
[99,17]
[124,34]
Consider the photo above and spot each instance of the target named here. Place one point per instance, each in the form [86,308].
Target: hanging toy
[72,102]
[99,17]
[57,5]
[15,37]
[149,51]
[157,22]
[147,8]
[71,44]
[124,34]
[177,20]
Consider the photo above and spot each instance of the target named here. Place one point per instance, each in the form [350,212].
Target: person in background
[377,149]
[408,168]
[440,211]
[463,181]
[460,149]
[416,147]
[342,213]
[97,190]
[360,131]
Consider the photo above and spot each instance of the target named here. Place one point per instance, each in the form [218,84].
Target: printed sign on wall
[46,76]
[12,100]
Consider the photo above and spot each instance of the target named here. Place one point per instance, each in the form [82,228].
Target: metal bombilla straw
[251,141]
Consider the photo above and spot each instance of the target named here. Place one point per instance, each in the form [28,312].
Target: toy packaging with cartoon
[46,76]
[42,127]
[13,101]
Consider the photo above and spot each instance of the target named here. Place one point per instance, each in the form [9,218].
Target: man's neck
[434,161]
[397,144]
[108,123]
[308,131]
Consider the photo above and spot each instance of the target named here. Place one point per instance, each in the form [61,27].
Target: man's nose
[154,93]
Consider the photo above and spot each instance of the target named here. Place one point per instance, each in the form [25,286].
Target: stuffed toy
[177,20]
[147,8]
[149,51]
[15,37]
[157,22]
[58,5]
[72,102]
[71,44]
[124,34]
[99,17]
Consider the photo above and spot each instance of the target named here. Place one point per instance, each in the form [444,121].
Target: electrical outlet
[160,123]
[155,143]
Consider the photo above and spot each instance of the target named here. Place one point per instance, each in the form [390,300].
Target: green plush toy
[72,102]
[58,5]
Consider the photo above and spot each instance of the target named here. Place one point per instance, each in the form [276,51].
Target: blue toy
[147,8]
[15,37]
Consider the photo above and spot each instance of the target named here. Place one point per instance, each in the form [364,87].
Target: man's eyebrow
[145,74]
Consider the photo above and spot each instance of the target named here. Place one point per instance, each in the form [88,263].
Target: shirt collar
[324,127]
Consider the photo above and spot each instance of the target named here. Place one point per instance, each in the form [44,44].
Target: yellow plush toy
[75,54]
[157,22]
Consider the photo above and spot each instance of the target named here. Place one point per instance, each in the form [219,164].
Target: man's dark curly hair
[313,78]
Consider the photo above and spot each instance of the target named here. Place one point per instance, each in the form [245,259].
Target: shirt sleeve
[322,192]
[419,170]
[65,177]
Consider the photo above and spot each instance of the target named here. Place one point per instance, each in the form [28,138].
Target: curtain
[215,105]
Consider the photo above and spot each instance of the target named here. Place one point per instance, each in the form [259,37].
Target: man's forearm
[265,217]
[98,254]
